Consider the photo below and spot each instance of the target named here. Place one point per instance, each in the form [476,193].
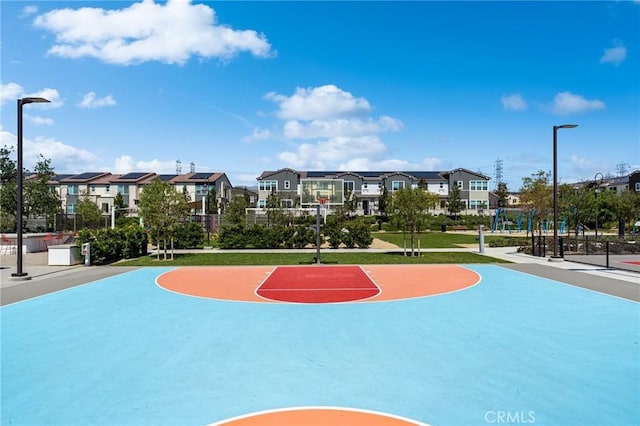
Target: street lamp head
[566,126]
[33,100]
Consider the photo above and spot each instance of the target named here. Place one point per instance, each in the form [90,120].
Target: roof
[84,177]
[197,177]
[460,169]
[364,174]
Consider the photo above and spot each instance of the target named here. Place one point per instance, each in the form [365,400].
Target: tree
[8,190]
[163,209]
[455,204]
[409,211]
[39,198]
[626,207]
[212,202]
[383,201]
[89,212]
[576,206]
[275,212]
[348,208]
[536,193]
[503,195]
[235,213]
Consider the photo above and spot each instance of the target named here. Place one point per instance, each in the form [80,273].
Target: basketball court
[321,345]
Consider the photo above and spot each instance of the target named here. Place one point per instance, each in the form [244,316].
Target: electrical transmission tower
[192,167]
[622,169]
[178,167]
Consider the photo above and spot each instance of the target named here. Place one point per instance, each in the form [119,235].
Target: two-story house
[304,189]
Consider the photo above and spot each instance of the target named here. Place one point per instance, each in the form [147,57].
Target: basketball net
[323,202]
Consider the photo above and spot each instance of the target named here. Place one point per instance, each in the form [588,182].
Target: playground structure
[505,217]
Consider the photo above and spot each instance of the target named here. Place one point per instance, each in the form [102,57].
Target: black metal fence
[608,252]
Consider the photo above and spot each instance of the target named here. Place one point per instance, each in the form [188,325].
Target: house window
[202,189]
[637,186]
[460,184]
[262,203]
[287,184]
[477,204]
[397,185]
[268,185]
[441,185]
[123,189]
[71,208]
[478,185]
[349,185]
[93,188]
[72,189]
[106,188]
[105,207]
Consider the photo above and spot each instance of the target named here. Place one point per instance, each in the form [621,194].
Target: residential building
[102,188]
[304,189]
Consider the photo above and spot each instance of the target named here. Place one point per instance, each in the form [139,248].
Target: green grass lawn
[266,258]
[437,239]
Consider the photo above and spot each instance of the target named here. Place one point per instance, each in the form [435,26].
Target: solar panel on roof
[165,178]
[134,175]
[369,174]
[87,175]
[201,176]
[316,174]
[425,175]
[60,177]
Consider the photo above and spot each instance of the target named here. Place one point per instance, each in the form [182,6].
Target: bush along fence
[110,245]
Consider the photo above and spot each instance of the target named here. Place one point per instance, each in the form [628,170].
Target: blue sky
[243,87]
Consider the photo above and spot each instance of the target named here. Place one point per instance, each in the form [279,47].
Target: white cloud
[364,164]
[330,128]
[170,32]
[64,158]
[29,10]
[568,103]
[37,120]
[242,179]
[126,164]
[513,102]
[258,135]
[10,92]
[614,55]
[581,162]
[89,101]
[327,154]
[318,103]
[339,127]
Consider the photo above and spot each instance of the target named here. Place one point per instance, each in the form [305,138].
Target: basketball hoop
[323,202]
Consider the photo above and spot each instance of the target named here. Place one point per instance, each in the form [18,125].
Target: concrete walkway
[46,279]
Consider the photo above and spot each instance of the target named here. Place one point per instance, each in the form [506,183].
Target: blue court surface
[516,348]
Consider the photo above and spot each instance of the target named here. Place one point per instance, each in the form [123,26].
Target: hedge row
[109,245]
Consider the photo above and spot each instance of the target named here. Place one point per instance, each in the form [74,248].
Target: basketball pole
[318,234]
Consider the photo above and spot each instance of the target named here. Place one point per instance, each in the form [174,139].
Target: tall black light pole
[555,186]
[597,182]
[206,209]
[19,274]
